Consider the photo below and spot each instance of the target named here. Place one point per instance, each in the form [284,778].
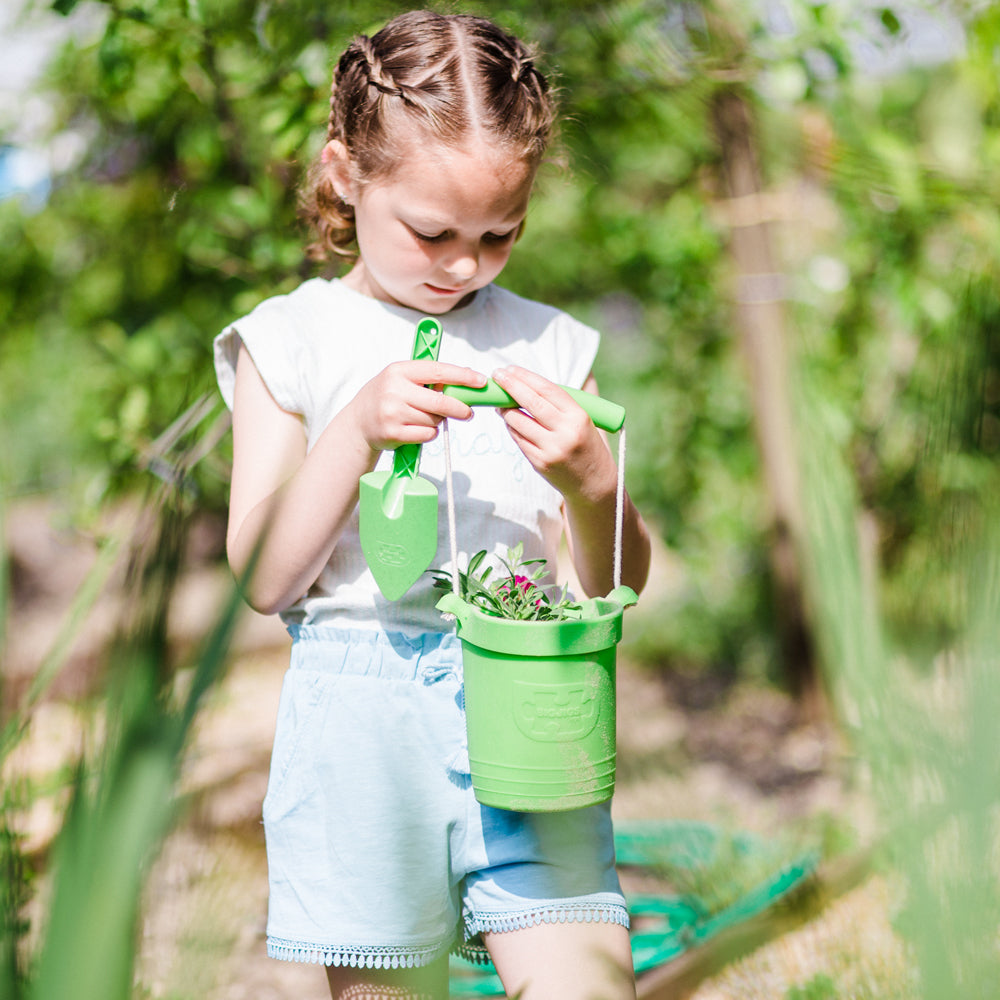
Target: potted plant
[539,685]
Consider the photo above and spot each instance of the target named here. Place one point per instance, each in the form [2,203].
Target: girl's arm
[561,442]
[287,508]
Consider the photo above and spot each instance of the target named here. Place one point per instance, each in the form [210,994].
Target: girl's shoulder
[309,342]
[280,334]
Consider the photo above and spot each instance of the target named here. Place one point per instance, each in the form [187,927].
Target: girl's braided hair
[424,75]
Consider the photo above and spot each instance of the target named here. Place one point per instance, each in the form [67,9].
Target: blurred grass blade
[212,661]
[4,579]
[123,805]
[104,850]
[83,602]
[928,737]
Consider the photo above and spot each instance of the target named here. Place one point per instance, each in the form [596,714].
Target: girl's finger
[521,433]
[416,384]
[544,400]
[432,401]
[440,373]
[430,376]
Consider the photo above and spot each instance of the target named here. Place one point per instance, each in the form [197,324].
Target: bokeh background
[784,218]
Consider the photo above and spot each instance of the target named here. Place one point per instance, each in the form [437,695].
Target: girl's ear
[337,161]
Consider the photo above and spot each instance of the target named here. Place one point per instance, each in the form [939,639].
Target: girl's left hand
[556,435]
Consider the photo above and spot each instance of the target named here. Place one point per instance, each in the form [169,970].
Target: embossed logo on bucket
[554,713]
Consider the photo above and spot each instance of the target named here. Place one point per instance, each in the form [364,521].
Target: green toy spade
[398,510]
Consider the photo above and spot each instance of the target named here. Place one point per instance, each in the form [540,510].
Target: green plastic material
[605,414]
[540,704]
[398,510]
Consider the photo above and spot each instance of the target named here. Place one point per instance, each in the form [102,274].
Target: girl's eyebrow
[425,223]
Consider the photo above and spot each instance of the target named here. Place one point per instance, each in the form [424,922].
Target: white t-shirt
[317,346]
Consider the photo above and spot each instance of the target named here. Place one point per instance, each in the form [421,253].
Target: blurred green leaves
[123,795]
[926,733]
[197,121]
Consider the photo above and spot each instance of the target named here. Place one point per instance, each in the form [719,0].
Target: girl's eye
[446,235]
[428,238]
[499,237]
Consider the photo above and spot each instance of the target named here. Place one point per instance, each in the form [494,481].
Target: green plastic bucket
[540,704]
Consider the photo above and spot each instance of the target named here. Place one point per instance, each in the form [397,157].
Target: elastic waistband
[367,653]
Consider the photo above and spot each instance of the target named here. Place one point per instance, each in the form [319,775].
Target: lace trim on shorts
[473,951]
[551,913]
[356,957]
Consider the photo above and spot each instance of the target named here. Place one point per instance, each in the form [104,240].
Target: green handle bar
[426,345]
[605,414]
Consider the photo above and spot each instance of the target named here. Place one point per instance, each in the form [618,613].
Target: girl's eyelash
[441,237]
[425,238]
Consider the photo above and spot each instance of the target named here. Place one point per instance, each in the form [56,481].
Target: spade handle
[605,414]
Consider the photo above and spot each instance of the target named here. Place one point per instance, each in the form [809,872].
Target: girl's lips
[445,291]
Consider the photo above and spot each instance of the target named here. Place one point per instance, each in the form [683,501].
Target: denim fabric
[378,852]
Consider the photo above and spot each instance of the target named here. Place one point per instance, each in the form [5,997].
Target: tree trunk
[760,318]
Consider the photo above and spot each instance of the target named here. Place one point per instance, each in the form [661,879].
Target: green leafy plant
[515,595]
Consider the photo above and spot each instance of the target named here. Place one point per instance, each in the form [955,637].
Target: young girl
[380,859]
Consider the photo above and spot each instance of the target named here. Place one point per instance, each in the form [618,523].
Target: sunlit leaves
[200,118]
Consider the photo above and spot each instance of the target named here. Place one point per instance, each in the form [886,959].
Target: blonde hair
[443,76]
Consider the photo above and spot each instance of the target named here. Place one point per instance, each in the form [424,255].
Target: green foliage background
[197,121]
[200,118]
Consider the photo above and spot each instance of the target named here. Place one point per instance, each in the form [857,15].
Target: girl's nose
[464,265]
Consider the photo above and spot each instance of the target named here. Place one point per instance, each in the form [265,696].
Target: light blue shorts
[378,853]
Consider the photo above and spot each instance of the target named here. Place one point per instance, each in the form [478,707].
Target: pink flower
[521,583]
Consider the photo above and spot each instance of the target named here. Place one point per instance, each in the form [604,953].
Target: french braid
[451,76]
[371,66]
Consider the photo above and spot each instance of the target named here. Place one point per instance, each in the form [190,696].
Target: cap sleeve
[277,352]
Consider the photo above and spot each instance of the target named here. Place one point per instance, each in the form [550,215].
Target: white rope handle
[619,509]
[453,534]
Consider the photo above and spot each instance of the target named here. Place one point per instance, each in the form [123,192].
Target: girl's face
[440,227]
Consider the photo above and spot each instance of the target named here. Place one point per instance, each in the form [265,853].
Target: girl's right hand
[400,406]
[288,506]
